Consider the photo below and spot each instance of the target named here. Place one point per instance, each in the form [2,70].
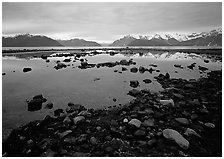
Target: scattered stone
[134,70]
[47,61]
[191,66]
[93,141]
[49,106]
[78,119]
[147,80]
[190,132]
[96,79]
[151,142]
[210,125]
[60,65]
[3,73]
[26,69]
[123,69]
[178,66]
[202,68]
[206,61]
[167,102]
[134,92]
[134,84]
[62,135]
[67,120]
[171,134]
[135,122]
[58,112]
[148,123]
[182,121]
[125,120]
[142,69]
[139,133]
[49,153]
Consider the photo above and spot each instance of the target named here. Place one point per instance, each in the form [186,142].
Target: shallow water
[76,85]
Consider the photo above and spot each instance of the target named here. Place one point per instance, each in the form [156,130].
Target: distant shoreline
[132,49]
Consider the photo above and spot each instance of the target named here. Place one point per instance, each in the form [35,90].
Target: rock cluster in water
[183,120]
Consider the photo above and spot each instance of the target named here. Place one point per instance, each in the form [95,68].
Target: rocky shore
[183,120]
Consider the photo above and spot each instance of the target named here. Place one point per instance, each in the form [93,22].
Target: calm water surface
[76,85]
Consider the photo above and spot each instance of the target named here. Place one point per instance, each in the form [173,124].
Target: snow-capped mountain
[211,38]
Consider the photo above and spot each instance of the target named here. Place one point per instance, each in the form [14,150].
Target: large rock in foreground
[171,134]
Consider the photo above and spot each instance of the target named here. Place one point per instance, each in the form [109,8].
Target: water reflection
[72,84]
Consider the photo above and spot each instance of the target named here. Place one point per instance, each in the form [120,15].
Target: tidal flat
[114,102]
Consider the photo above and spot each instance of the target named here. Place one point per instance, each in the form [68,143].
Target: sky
[106,22]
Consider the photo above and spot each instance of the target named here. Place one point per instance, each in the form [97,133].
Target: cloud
[105,21]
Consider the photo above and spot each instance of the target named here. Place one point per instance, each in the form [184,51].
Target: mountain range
[211,38]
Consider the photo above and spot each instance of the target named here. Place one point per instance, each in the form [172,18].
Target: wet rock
[148,123]
[49,153]
[27,69]
[60,65]
[194,116]
[182,121]
[78,119]
[62,135]
[124,62]
[70,140]
[153,65]
[67,120]
[171,134]
[151,142]
[204,111]
[142,69]
[134,70]
[202,68]
[178,66]
[44,57]
[134,84]
[85,113]
[206,61]
[82,138]
[191,66]
[77,154]
[167,102]
[124,69]
[134,92]
[178,96]
[135,122]
[190,132]
[58,112]
[139,133]
[67,60]
[49,106]
[167,76]
[93,141]
[35,104]
[147,80]
[210,125]
[96,79]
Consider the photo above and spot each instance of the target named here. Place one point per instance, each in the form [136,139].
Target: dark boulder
[134,84]
[27,69]
[134,70]
[142,69]
[58,112]
[123,69]
[34,105]
[147,80]
[67,60]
